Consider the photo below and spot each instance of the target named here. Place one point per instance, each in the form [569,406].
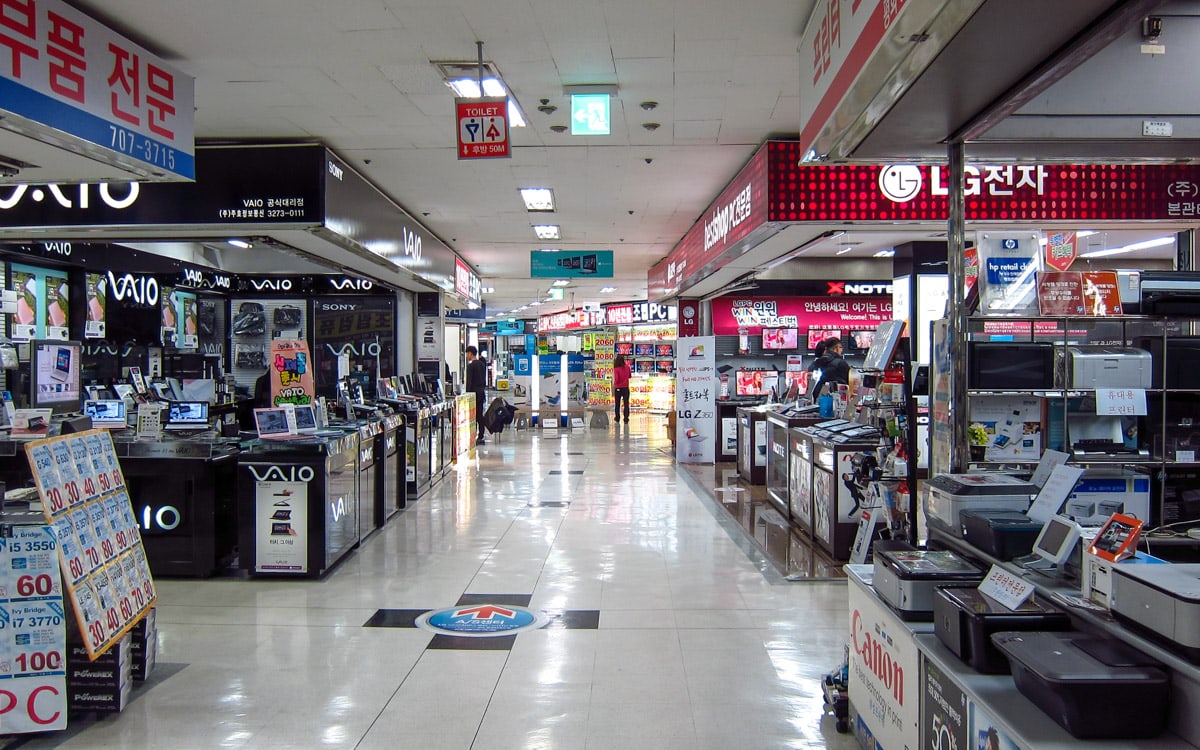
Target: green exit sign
[590,114]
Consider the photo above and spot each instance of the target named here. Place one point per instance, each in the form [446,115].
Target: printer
[1093,366]
[947,495]
[1161,599]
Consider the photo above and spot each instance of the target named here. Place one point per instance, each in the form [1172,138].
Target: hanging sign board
[482,127]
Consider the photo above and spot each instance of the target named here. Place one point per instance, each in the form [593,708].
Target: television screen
[645,366]
[778,338]
[643,350]
[750,383]
[665,367]
[817,335]
[861,339]
[664,350]
[624,348]
[56,369]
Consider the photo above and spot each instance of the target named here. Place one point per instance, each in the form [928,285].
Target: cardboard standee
[104,567]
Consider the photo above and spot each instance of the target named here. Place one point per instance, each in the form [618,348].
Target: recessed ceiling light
[550,250]
[844,250]
[561,282]
[887,252]
[463,79]
[546,231]
[538,199]
[240,243]
[607,289]
[487,290]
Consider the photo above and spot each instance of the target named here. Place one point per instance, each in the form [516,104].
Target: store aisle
[664,630]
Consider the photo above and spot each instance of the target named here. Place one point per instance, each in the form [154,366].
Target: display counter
[907,690]
[417,445]
[298,504]
[727,431]
[779,425]
[371,512]
[183,493]
[390,477]
[752,444]
[835,504]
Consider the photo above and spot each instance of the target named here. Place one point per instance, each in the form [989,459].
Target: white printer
[1163,599]
[1097,366]
[947,495]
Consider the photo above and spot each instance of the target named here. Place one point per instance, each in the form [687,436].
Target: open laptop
[306,420]
[106,413]
[272,424]
[187,415]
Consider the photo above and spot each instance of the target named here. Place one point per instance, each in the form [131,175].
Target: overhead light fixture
[561,282]
[546,231]
[607,289]
[463,79]
[488,290]
[240,243]
[1143,245]
[550,250]
[844,250]
[887,252]
[538,199]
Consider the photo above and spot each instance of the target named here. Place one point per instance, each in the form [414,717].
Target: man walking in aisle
[477,384]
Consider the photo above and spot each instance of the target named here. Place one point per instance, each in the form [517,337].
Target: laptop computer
[272,424]
[306,419]
[106,413]
[187,415]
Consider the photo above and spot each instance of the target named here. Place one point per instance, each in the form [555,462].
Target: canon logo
[83,199]
[271,285]
[360,285]
[140,289]
[850,287]
[282,473]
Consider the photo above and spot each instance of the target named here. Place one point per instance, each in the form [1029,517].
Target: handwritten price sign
[1121,402]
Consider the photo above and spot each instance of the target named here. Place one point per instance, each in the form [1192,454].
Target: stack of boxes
[104,685]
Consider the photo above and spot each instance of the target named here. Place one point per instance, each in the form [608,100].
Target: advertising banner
[97,300]
[291,373]
[280,526]
[1061,250]
[550,385]
[884,685]
[522,379]
[576,391]
[695,400]
[565,264]
[429,337]
[1008,266]
[749,315]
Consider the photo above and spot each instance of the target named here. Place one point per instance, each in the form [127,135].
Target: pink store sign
[749,315]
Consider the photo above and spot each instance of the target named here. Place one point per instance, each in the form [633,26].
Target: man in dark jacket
[834,369]
[477,383]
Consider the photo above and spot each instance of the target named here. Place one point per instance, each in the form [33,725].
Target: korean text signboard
[291,373]
[482,127]
[696,400]
[64,71]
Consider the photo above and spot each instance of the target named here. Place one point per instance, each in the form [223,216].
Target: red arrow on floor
[486,612]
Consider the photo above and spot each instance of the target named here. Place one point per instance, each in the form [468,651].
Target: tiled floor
[700,643]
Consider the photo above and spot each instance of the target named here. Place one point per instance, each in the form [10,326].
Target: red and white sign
[482,128]
[1061,250]
[749,315]
[689,317]
[466,281]
[571,320]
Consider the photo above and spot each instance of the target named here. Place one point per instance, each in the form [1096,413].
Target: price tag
[1121,402]
[1006,588]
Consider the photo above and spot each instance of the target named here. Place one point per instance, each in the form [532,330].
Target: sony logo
[335,170]
[142,290]
[362,285]
[338,306]
[84,199]
[355,350]
[273,285]
[281,473]
[850,287]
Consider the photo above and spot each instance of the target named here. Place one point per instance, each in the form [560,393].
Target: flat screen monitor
[187,413]
[817,335]
[664,350]
[624,348]
[306,418]
[645,366]
[665,367]
[1057,540]
[643,350]
[751,383]
[862,339]
[774,339]
[56,369]
[106,413]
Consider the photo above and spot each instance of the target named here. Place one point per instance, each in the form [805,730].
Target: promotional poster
[695,400]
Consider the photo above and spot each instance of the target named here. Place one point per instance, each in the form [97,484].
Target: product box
[112,669]
[1010,428]
[99,699]
[144,640]
[1097,497]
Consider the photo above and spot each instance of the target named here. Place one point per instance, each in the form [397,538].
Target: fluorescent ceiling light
[538,199]
[1143,245]
[561,282]
[607,289]
[487,290]
[546,231]
[463,80]
[887,252]
[534,304]
[844,250]
[550,250]
[240,243]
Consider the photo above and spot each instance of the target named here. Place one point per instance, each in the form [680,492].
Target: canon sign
[855,287]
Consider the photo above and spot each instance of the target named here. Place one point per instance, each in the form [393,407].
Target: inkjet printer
[947,495]
[1161,599]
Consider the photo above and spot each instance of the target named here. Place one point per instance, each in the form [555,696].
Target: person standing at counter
[477,384]
[833,367]
[620,382]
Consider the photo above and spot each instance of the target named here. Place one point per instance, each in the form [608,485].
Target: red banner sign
[1061,250]
[749,315]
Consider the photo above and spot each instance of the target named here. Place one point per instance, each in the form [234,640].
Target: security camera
[7,171]
[648,160]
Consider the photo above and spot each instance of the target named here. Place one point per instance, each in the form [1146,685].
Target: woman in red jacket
[620,382]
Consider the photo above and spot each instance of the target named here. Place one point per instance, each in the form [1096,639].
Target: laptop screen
[188,412]
[271,422]
[306,418]
[105,412]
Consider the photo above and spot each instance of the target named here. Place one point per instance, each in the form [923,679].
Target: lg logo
[900,183]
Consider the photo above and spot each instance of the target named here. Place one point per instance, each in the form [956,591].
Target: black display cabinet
[390,477]
[752,444]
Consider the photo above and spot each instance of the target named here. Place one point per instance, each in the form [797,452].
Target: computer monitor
[106,413]
[271,422]
[774,339]
[1057,540]
[306,418]
[187,414]
[55,380]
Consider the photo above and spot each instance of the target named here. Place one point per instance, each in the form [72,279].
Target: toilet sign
[482,128]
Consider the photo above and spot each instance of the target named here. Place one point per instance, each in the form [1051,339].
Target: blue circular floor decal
[482,620]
